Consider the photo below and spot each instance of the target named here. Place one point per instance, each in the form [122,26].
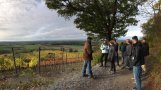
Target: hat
[90,38]
[135,38]
[143,38]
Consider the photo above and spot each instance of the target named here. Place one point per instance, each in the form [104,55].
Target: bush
[33,62]
[6,63]
[75,50]
[70,50]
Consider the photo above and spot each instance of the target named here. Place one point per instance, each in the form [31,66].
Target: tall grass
[154,70]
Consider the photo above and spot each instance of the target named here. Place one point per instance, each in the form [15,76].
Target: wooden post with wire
[14,60]
[39,60]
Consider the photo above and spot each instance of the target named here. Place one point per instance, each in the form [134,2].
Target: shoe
[130,69]
[132,78]
[123,67]
[85,75]
[113,72]
[101,66]
[134,88]
[110,70]
[91,77]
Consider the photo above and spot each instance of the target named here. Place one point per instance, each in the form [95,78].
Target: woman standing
[112,56]
[105,49]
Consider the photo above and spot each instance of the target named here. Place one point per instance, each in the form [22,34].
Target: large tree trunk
[108,36]
[112,22]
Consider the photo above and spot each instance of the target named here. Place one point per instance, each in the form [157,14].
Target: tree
[152,28]
[104,17]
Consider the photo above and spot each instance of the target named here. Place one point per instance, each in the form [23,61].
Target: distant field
[23,47]
[26,53]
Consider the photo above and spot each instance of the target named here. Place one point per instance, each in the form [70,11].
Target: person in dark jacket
[137,57]
[122,50]
[112,56]
[145,47]
[116,51]
[87,56]
[127,54]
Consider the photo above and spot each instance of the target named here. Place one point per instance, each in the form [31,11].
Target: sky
[31,20]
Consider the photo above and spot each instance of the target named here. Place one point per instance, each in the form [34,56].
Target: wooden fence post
[14,60]
[62,68]
[39,60]
[66,58]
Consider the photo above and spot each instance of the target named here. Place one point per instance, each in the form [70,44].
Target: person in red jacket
[87,56]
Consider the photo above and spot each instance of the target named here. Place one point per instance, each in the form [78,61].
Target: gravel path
[104,81]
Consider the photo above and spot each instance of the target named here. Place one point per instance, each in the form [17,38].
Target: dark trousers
[113,66]
[128,62]
[104,57]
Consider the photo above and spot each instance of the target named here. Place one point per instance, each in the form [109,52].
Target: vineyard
[16,62]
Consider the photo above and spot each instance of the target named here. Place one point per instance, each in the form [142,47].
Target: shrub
[6,63]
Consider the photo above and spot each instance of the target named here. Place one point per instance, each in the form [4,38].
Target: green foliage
[103,17]
[153,28]
[152,31]
[27,72]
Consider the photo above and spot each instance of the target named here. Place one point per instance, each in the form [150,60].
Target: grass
[154,70]
[27,79]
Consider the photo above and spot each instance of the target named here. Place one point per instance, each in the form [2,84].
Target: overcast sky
[27,20]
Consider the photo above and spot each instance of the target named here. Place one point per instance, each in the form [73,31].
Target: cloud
[32,20]
[26,20]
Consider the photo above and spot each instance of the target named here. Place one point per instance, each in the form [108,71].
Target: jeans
[104,56]
[87,65]
[137,76]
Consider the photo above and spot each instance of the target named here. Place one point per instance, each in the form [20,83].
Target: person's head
[105,41]
[114,39]
[112,42]
[121,43]
[143,40]
[134,39]
[128,41]
[89,39]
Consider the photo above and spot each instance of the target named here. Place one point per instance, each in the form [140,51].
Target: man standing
[145,47]
[127,55]
[87,56]
[112,56]
[123,49]
[105,49]
[137,60]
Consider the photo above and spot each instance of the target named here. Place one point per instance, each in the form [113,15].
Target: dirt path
[104,81]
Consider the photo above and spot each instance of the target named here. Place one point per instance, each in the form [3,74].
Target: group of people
[133,53]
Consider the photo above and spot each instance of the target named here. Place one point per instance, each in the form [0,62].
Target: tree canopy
[104,17]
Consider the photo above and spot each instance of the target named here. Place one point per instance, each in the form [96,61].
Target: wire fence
[43,60]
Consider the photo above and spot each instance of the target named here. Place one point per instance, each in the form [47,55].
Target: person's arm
[102,48]
[110,53]
[113,52]
[136,58]
[129,50]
